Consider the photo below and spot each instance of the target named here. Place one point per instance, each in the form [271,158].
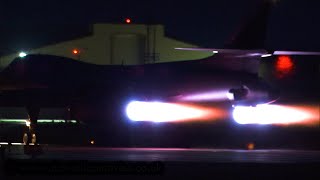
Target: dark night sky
[294,24]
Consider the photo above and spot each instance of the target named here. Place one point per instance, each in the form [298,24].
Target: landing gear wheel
[34,139]
[27,138]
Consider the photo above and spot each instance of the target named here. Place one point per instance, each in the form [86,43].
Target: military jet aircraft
[229,76]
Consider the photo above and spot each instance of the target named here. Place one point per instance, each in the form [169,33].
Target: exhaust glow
[166,112]
[275,114]
[207,96]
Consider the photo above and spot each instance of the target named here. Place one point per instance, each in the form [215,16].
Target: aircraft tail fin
[252,32]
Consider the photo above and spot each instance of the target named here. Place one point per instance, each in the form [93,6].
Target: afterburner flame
[276,114]
[169,112]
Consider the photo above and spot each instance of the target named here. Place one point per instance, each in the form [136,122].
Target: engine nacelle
[239,93]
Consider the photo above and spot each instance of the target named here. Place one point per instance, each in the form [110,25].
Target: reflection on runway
[172,155]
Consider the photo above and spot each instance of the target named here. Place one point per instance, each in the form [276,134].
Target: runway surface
[172,163]
[172,155]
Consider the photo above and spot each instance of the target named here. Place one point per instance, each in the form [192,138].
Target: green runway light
[12,121]
[59,121]
[44,121]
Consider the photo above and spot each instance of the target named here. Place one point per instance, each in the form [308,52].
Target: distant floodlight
[266,55]
[22,54]
[215,52]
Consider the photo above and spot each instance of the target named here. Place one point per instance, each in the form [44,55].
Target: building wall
[104,45]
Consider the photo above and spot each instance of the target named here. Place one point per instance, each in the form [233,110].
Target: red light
[250,146]
[128,21]
[284,66]
[284,63]
[75,51]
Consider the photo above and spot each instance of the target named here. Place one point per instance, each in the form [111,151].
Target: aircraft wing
[249,53]
[295,53]
[227,51]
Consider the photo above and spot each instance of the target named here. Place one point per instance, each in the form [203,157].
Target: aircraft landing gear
[29,135]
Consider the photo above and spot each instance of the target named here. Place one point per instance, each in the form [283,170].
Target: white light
[17,143]
[230,96]
[160,112]
[22,54]
[4,143]
[215,52]
[267,114]
[28,123]
[266,55]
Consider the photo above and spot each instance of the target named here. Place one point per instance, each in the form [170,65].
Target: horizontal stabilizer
[295,53]
[249,53]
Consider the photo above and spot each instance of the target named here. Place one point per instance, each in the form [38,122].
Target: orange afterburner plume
[277,114]
[171,112]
